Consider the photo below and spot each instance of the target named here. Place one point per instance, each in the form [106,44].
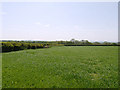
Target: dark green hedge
[15,46]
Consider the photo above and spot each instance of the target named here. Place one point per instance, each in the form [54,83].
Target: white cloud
[47,25]
[43,25]
[38,23]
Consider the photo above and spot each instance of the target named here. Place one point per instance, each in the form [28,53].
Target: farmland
[0,70]
[61,67]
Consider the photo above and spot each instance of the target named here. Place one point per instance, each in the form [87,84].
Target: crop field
[61,67]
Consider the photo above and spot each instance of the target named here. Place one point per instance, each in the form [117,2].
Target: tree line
[9,45]
[74,42]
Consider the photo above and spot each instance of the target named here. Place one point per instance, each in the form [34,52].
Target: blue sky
[93,21]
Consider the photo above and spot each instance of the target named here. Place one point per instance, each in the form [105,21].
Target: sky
[50,21]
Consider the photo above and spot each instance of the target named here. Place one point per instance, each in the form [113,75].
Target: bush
[29,46]
[34,46]
[6,47]
[15,46]
[24,46]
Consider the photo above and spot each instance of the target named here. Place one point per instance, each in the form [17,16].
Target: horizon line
[53,40]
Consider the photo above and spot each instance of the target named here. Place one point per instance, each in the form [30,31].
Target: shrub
[24,46]
[29,46]
[34,46]
[15,46]
[7,46]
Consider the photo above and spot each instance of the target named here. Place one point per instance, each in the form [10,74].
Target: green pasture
[61,67]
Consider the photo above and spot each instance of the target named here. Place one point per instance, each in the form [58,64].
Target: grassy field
[0,71]
[61,67]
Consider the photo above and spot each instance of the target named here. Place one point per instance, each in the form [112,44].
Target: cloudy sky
[94,21]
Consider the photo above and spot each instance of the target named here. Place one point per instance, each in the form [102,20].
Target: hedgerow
[9,45]
[15,46]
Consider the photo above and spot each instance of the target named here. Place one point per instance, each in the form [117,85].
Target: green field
[61,67]
[0,70]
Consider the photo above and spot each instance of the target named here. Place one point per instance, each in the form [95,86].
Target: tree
[72,40]
[96,43]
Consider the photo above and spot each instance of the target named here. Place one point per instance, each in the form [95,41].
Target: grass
[61,67]
[0,71]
